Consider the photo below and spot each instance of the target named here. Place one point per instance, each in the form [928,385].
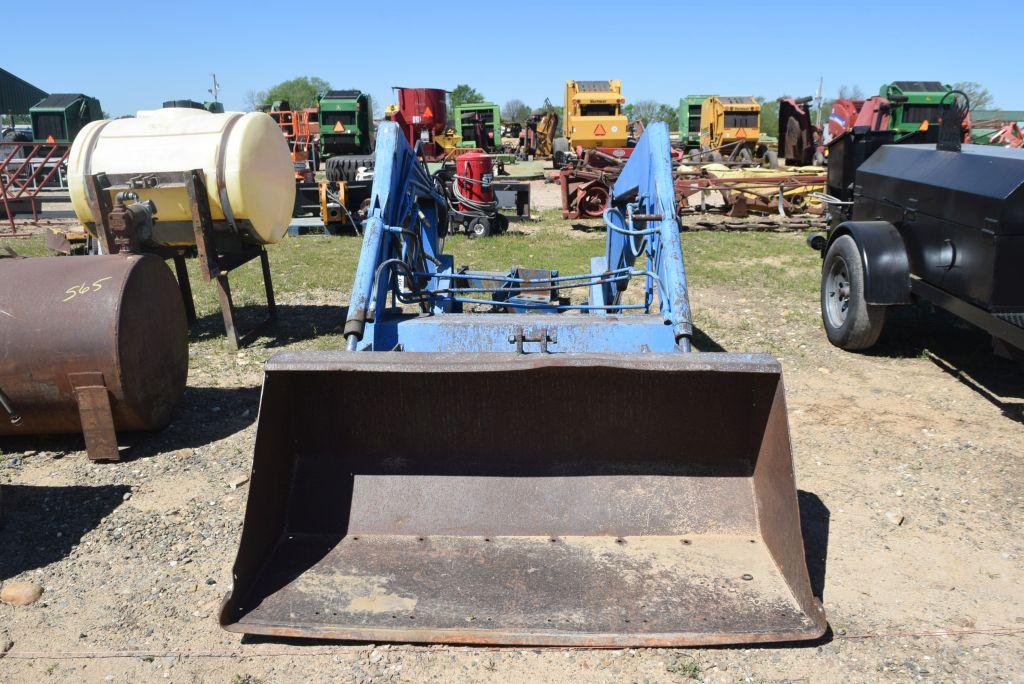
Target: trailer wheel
[850,322]
[480,227]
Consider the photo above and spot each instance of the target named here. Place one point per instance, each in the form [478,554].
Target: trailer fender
[884,257]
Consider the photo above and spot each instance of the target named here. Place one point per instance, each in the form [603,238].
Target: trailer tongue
[547,473]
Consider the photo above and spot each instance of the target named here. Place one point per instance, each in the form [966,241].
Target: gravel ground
[908,464]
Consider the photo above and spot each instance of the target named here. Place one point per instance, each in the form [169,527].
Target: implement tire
[345,168]
[850,322]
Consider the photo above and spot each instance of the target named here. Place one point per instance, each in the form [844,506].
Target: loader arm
[404,229]
[522,457]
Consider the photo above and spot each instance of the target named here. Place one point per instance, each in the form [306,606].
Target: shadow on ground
[960,349]
[703,342]
[814,525]
[295,323]
[206,415]
[41,525]
[597,226]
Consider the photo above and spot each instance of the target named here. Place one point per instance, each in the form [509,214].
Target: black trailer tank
[960,214]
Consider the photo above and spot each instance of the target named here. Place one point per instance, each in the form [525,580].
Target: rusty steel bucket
[549,499]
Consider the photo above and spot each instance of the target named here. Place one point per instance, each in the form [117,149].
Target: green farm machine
[479,124]
[689,121]
[913,103]
[346,133]
[905,107]
[59,117]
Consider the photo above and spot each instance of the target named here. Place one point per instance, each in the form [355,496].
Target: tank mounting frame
[219,248]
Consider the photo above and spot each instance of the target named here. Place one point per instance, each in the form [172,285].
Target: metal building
[16,95]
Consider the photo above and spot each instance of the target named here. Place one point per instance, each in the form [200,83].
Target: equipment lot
[907,461]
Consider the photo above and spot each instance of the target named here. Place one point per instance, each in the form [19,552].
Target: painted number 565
[76,290]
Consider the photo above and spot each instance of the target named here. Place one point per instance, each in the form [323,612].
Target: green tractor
[689,121]
[479,124]
[346,133]
[914,102]
[59,117]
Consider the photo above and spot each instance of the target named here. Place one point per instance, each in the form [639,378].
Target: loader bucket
[544,499]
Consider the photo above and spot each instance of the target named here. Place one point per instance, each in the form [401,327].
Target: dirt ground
[909,468]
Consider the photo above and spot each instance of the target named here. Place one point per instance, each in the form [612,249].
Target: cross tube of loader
[548,472]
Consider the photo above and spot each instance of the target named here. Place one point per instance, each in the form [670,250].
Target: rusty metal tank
[90,343]
[424,107]
[422,114]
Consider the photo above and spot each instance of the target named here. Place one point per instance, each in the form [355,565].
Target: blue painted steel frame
[402,237]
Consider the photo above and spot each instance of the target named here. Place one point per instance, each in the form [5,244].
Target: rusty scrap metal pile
[700,187]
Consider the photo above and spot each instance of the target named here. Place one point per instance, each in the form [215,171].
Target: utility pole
[817,102]
[215,89]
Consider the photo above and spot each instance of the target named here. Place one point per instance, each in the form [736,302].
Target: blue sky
[136,57]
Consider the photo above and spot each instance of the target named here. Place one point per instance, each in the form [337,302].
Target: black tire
[345,168]
[850,322]
[479,227]
[559,152]
[745,156]
[717,157]
[14,135]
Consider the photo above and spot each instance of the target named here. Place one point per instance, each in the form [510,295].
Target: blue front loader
[526,456]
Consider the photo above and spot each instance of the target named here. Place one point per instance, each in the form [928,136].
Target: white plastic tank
[244,157]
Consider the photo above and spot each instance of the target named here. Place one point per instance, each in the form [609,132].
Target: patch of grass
[26,246]
[757,261]
[685,667]
[245,679]
[314,273]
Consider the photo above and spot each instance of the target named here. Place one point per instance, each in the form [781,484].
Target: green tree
[254,99]
[515,110]
[851,93]
[463,94]
[770,116]
[649,111]
[301,92]
[669,115]
[978,94]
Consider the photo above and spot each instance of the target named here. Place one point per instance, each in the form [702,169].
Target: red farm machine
[800,140]
[422,116]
